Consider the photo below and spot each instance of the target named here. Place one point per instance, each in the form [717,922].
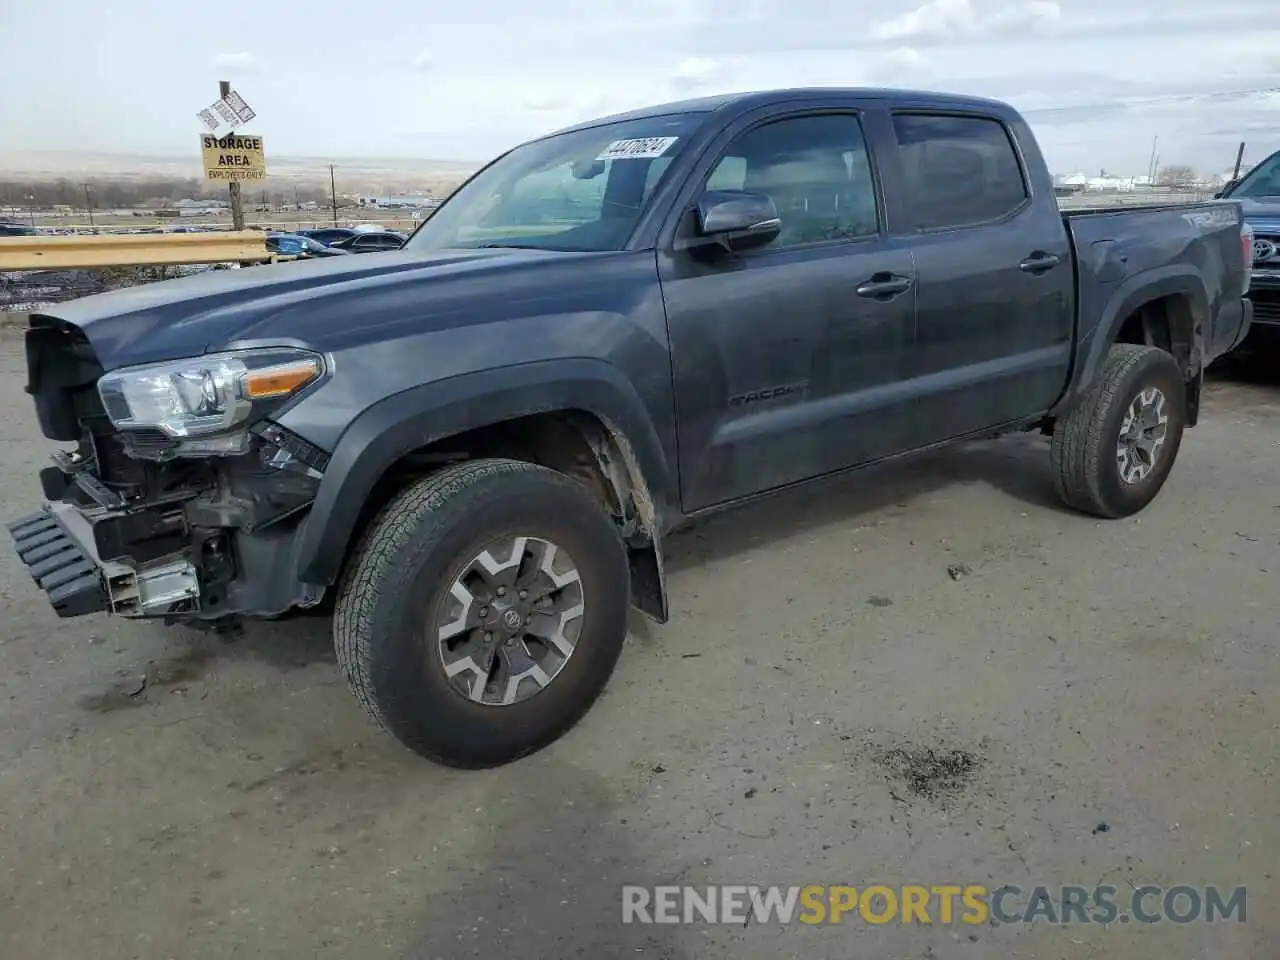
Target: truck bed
[1129,208]
[1160,243]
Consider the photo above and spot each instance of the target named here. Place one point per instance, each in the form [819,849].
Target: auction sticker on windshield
[638,148]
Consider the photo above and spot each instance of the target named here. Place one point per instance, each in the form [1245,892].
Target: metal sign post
[237,210]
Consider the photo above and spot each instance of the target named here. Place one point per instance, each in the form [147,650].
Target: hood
[1262,212]
[322,304]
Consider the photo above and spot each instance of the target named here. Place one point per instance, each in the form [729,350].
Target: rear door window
[959,171]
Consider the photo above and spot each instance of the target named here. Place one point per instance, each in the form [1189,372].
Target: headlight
[205,395]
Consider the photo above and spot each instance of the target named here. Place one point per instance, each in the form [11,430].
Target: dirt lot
[1111,688]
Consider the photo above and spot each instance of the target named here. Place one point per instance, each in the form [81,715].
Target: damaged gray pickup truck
[474,447]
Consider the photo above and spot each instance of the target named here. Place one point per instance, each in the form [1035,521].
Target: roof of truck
[754,98]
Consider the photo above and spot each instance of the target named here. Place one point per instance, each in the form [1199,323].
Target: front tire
[1113,451]
[484,611]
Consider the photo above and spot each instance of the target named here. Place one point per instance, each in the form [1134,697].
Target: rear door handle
[884,286]
[1039,262]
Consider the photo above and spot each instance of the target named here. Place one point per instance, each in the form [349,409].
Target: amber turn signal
[279,381]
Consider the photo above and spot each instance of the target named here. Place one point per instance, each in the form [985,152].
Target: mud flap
[1194,389]
[648,582]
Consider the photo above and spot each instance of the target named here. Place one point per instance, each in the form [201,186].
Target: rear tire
[1105,461]
[409,631]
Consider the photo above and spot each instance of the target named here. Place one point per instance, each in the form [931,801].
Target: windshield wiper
[507,246]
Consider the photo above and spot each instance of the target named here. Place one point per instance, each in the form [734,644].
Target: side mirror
[586,169]
[735,220]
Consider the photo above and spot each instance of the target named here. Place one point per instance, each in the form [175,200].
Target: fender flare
[1128,297]
[414,418]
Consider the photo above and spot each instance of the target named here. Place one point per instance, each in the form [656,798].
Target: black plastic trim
[68,576]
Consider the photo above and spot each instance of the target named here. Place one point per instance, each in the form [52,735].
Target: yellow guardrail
[200,224]
[133,250]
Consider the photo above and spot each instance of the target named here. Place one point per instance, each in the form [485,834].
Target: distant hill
[371,175]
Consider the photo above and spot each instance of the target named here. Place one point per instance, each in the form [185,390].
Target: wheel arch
[1167,308]
[579,416]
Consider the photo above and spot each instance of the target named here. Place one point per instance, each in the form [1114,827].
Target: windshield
[1262,181]
[582,190]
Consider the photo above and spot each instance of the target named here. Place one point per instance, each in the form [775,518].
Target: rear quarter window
[959,171]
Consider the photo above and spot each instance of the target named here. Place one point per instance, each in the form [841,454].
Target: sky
[1097,79]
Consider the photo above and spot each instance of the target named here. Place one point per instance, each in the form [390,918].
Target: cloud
[559,108]
[1112,64]
[949,18]
[541,101]
[241,62]
[904,61]
[695,72]
[937,18]
[903,66]
[1024,15]
[904,57]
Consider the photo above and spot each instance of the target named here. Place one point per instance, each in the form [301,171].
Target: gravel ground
[1104,694]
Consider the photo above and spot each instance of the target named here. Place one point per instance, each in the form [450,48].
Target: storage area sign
[233,158]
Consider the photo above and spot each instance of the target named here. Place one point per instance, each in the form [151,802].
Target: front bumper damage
[220,543]
[135,524]
[57,547]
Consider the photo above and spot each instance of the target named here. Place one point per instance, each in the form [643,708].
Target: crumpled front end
[184,500]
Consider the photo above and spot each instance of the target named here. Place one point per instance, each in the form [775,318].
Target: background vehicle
[371,241]
[327,235]
[293,244]
[11,228]
[476,444]
[1258,193]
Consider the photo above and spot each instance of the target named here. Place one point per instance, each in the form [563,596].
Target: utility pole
[1235,174]
[237,211]
[333,196]
[88,204]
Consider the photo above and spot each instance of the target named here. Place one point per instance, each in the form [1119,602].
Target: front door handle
[884,286]
[1039,262]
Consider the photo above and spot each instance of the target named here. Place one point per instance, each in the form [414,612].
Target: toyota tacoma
[475,447]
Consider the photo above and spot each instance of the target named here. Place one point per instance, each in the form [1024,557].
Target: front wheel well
[576,443]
